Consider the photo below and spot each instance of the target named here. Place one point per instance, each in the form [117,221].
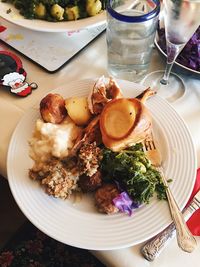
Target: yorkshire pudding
[124,122]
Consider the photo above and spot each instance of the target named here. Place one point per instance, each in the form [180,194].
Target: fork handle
[185,239]
[156,245]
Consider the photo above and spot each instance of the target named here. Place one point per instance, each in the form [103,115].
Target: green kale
[134,173]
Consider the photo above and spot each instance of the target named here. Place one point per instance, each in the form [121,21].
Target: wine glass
[181,19]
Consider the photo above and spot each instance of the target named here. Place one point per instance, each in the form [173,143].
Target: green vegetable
[53,10]
[134,173]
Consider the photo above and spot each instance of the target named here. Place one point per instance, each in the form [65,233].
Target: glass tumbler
[130,33]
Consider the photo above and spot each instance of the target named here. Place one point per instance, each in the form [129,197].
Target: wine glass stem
[173,51]
[165,77]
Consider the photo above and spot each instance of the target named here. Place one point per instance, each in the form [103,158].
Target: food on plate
[100,153]
[124,203]
[104,198]
[91,133]
[78,110]
[72,13]
[190,55]
[102,93]
[58,10]
[93,7]
[50,140]
[89,157]
[90,183]
[59,178]
[40,11]
[52,108]
[134,172]
[124,122]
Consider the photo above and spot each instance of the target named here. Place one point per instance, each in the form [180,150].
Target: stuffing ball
[90,183]
[104,198]
[52,108]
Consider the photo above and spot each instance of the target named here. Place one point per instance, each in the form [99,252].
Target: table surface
[91,63]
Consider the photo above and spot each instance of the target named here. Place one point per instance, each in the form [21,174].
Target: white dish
[79,224]
[46,26]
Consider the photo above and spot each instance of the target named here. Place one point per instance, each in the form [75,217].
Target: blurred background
[11,216]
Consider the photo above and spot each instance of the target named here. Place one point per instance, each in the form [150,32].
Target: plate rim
[43,229]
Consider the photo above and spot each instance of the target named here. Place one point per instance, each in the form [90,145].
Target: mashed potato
[52,140]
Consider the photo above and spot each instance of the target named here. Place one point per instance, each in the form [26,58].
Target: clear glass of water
[130,33]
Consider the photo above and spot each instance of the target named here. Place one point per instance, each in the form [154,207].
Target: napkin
[2,28]
[13,114]
[194,221]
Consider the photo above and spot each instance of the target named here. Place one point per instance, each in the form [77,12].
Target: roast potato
[77,108]
[52,108]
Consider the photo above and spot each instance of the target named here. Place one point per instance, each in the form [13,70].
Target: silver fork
[156,245]
[185,239]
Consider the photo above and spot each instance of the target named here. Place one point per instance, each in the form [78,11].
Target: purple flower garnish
[124,203]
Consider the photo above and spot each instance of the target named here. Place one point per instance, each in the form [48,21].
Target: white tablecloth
[89,64]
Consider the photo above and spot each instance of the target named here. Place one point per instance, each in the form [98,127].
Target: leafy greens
[133,172]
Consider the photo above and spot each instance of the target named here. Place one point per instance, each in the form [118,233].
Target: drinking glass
[181,20]
[130,34]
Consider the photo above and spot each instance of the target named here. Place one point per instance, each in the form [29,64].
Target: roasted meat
[101,93]
[90,183]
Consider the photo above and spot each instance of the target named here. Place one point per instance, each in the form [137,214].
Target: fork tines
[149,144]
[195,204]
[153,154]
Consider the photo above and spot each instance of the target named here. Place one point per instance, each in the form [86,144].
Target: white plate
[46,26]
[80,224]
